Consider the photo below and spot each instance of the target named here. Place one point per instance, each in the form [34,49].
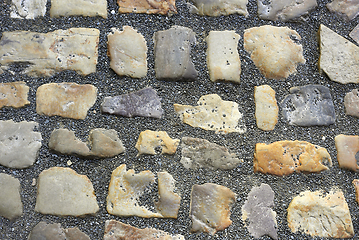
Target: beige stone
[347,8]
[266,107]
[27,9]
[347,147]
[354,34]
[356,186]
[45,231]
[88,8]
[217,8]
[10,199]
[149,140]
[351,103]
[147,6]
[14,94]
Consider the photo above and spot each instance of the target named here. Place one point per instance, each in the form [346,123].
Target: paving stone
[27,9]
[53,231]
[69,100]
[105,143]
[60,8]
[347,148]
[349,9]
[63,192]
[276,51]
[213,113]
[149,141]
[319,214]
[286,157]
[354,34]
[65,142]
[217,8]
[351,103]
[266,107]
[356,186]
[13,94]
[147,6]
[309,105]
[10,199]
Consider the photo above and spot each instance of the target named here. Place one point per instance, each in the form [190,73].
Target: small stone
[93,8]
[217,8]
[149,140]
[147,6]
[143,103]
[27,9]
[200,153]
[356,186]
[266,107]
[351,103]
[10,199]
[347,148]
[354,34]
[69,100]
[309,105]
[69,163]
[45,231]
[105,143]
[13,94]
[319,215]
[349,9]
[33,182]
[212,113]
[63,192]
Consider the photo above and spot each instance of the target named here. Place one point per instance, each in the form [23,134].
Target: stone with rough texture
[147,6]
[88,8]
[10,199]
[27,9]
[349,9]
[356,186]
[149,140]
[266,107]
[354,34]
[19,143]
[347,148]
[351,103]
[13,94]
[276,51]
[63,192]
[214,114]
[309,105]
[44,54]
[286,157]
[217,8]
[320,215]
[69,100]
[53,231]
[143,103]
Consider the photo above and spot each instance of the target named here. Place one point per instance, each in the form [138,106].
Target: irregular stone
[309,105]
[349,9]
[172,54]
[210,207]
[27,9]
[339,58]
[212,113]
[69,100]
[266,107]
[45,231]
[143,103]
[222,56]
[147,6]
[87,8]
[128,52]
[200,153]
[63,192]
[354,34]
[276,51]
[319,215]
[19,143]
[105,143]
[44,54]
[149,140]
[10,199]
[285,10]
[257,211]
[351,103]
[117,230]
[217,8]
[286,157]
[13,94]
[356,186]
[347,147]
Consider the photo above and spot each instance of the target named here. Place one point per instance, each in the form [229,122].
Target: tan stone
[27,9]
[14,94]
[356,186]
[351,103]
[266,107]
[147,6]
[88,8]
[217,8]
[149,140]
[347,147]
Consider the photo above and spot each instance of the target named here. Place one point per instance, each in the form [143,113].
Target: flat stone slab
[320,215]
[217,8]
[142,103]
[172,54]
[19,143]
[69,100]
[60,8]
[10,199]
[309,105]
[147,6]
[286,157]
[347,148]
[13,94]
[128,52]
[63,192]
[53,231]
[214,114]
[266,107]
[200,153]
[348,9]
[149,140]
[257,211]
[210,207]
[222,56]
[351,103]
[27,9]
[44,54]
[354,34]
[356,186]
[276,51]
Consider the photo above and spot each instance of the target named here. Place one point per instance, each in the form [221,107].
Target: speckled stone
[10,199]
[14,94]
[149,140]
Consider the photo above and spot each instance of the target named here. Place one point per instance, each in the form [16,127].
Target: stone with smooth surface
[27,9]
[354,34]
[10,199]
[60,8]
[349,9]
[13,94]
[217,8]
[266,107]
[53,231]
[149,140]
[147,6]
[351,103]
[347,148]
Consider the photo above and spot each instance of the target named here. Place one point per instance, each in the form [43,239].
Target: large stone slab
[276,51]
[63,192]
[44,54]
[214,114]
[19,143]
[27,9]
[172,54]
[286,157]
[347,148]
[351,103]
[266,107]
[147,6]
[13,94]
[217,8]
[91,8]
[149,141]
[10,199]
[349,9]
[320,215]
[69,100]
[309,105]
[53,231]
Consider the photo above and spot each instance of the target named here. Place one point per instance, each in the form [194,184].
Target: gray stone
[27,9]
[10,200]
[217,8]
[78,7]
[349,9]
[351,103]
[354,34]
[45,231]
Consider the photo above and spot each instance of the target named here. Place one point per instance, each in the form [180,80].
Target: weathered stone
[45,231]
[257,211]
[354,34]
[210,207]
[285,157]
[65,142]
[10,200]
[147,6]
[266,107]
[128,52]
[351,103]
[200,153]
[349,9]
[217,8]
[105,143]
[19,143]
[44,54]
[69,100]
[276,51]
[27,9]
[143,103]
[91,8]
[149,140]
[212,113]
[356,186]
[172,54]
[13,94]
[222,56]
[339,58]
[309,105]
[63,192]
[347,147]
[285,10]
[319,215]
